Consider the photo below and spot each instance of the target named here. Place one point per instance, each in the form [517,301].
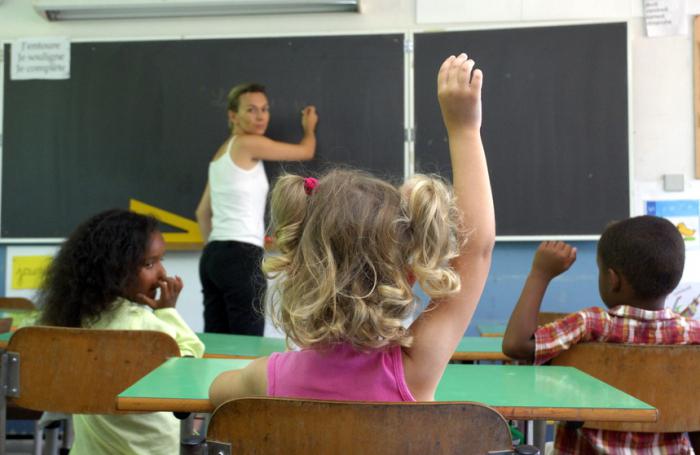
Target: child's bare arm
[551,259]
[439,329]
[251,381]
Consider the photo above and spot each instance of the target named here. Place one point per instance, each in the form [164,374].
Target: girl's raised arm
[438,330]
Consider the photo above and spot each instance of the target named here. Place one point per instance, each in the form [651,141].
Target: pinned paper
[40,58]
[665,17]
[28,271]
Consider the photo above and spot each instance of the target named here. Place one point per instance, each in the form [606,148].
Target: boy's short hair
[648,251]
[235,94]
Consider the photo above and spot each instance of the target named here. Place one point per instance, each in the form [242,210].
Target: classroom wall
[661,97]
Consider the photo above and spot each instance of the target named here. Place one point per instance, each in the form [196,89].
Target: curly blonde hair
[346,252]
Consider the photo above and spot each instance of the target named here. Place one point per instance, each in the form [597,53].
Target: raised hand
[459,93]
[553,258]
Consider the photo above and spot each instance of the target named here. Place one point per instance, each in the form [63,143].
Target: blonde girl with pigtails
[352,245]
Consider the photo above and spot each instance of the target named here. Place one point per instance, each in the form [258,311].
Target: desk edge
[580,414]
[164,404]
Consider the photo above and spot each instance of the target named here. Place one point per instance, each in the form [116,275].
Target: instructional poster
[683,213]
[684,300]
[40,58]
[665,17]
[28,271]
[682,208]
[25,267]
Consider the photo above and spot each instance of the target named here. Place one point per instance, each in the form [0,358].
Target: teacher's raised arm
[231,211]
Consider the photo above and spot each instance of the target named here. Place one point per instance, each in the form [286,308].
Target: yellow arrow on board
[190,239]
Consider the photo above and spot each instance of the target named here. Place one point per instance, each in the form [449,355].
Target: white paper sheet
[40,58]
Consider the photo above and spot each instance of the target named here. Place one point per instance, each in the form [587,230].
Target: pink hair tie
[309,184]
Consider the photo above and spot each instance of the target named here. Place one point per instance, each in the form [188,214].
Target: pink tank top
[338,373]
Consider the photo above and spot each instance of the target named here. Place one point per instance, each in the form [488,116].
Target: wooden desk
[4,339]
[181,384]
[219,345]
[480,348]
[249,347]
[498,329]
[226,346]
[517,392]
[491,330]
[20,318]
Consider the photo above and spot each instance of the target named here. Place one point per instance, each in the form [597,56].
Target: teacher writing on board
[231,212]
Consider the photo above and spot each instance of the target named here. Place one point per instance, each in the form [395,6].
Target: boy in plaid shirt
[640,261]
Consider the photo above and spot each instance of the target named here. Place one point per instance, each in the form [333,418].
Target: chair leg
[3,399]
[68,434]
[51,424]
[38,438]
[540,433]
[51,433]
[3,423]
[530,433]
[191,435]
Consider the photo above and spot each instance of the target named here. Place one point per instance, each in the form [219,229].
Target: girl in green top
[109,275]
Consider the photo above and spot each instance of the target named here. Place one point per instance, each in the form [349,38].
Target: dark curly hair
[648,251]
[94,266]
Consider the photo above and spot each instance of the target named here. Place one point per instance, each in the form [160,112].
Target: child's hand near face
[553,258]
[169,292]
[459,93]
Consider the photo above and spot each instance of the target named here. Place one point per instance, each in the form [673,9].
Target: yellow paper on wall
[28,271]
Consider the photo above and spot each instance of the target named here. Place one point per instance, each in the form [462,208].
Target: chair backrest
[287,426]
[16,303]
[662,376]
[82,370]
[545,317]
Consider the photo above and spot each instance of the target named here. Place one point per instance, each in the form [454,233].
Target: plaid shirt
[621,324]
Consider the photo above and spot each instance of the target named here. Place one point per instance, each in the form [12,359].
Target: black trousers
[234,288]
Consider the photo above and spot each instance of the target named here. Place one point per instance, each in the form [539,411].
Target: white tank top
[238,198]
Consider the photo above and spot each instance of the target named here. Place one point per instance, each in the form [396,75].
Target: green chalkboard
[555,123]
[142,119]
